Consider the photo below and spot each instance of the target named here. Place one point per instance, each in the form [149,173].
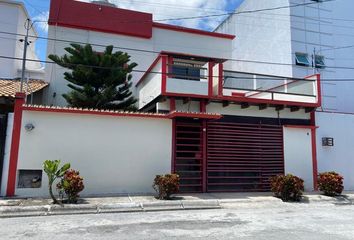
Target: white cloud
[42,21]
[167,9]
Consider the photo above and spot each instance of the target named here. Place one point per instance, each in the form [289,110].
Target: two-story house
[232,129]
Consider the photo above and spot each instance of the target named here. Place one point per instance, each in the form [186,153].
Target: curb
[55,210]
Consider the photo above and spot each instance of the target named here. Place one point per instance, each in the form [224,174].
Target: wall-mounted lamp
[29,127]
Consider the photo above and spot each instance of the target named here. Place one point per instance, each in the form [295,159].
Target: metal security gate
[188,150]
[243,156]
[3,127]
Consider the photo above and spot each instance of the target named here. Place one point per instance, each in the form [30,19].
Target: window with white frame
[302,59]
[319,61]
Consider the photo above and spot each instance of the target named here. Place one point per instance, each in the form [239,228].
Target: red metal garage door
[242,156]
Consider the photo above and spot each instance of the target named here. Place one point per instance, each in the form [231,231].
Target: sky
[161,9]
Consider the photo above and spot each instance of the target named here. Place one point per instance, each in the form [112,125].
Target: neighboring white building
[13,16]
[290,37]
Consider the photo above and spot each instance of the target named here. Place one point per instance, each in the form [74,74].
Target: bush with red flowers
[287,187]
[166,185]
[330,183]
[71,184]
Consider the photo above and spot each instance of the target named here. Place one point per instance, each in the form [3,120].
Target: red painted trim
[221,79]
[210,78]
[192,30]
[94,112]
[204,157]
[194,115]
[313,118]
[202,106]
[187,95]
[142,79]
[319,90]
[172,104]
[235,94]
[15,144]
[170,63]
[173,160]
[94,17]
[164,74]
[314,159]
[314,151]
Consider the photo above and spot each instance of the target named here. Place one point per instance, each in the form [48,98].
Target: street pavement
[263,220]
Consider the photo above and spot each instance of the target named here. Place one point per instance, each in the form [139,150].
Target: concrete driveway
[274,220]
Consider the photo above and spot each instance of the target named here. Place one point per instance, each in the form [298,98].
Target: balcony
[271,89]
[178,75]
[196,78]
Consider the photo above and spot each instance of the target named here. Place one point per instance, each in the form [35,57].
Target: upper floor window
[302,59]
[187,70]
[319,61]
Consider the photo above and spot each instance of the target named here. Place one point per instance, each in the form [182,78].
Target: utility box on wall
[327,142]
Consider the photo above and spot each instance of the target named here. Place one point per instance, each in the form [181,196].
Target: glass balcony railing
[238,84]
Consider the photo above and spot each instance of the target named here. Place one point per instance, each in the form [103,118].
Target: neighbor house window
[302,59]
[319,61]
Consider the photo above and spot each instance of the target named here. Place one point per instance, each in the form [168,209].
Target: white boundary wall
[114,154]
[340,157]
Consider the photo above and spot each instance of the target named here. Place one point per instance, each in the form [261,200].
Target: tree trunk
[55,201]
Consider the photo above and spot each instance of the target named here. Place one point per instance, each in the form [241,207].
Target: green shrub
[71,184]
[166,185]
[330,183]
[287,187]
[51,168]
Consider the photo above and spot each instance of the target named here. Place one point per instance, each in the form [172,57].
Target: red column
[173,160]
[221,79]
[164,74]
[172,104]
[15,144]
[202,106]
[204,159]
[314,151]
[210,78]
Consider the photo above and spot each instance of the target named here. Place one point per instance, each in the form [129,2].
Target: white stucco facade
[147,51]
[114,154]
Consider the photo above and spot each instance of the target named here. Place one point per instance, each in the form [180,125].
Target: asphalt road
[236,221]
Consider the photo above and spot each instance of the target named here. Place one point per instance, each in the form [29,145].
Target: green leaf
[63,169]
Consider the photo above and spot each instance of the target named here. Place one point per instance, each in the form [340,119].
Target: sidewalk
[94,205]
